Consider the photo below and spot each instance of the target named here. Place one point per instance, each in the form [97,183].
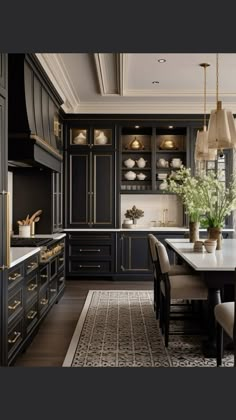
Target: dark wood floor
[49,346]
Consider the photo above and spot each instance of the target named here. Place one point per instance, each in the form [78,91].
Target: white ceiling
[122,83]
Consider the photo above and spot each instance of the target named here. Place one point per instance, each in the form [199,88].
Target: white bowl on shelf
[141,176]
[130,176]
[129,163]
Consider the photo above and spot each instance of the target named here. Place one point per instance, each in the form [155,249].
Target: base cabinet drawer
[88,267]
[15,304]
[43,301]
[90,250]
[31,316]
[15,335]
[52,290]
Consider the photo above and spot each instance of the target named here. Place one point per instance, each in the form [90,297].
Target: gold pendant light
[202,152]
[221,127]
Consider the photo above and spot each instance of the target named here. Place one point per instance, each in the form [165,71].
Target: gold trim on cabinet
[6,195]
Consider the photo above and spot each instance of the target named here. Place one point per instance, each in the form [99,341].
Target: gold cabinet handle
[61,278]
[89,266]
[16,304]
[32,314]
[32,265]
[44,301]
[32,287]
[13,340]
[90,250]
[14,276]
[53,290]
[43,276]
[61,259]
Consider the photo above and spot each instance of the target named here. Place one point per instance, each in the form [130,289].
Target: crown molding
[146,108]
[104,68]
[54,67]
[182,93]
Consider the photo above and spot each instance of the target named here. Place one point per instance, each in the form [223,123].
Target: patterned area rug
[119,329]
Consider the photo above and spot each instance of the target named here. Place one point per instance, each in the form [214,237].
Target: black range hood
[33,115]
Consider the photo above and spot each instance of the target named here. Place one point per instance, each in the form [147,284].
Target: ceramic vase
[215,233]
[193,231]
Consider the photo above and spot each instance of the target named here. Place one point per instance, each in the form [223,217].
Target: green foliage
[134,213]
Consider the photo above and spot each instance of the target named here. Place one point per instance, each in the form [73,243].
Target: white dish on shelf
[141,176]
[130,175]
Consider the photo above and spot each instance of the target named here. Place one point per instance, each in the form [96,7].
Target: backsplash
[153,206]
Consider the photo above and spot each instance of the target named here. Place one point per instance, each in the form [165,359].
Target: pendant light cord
[217,79]
[204,121]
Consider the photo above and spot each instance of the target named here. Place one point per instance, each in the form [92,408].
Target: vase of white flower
[215,233]
[194,231]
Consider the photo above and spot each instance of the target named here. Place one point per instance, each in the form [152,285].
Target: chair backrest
[152,240]
[163,258]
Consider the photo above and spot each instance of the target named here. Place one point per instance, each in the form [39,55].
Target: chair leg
[167,321]
[162,313]
[219,344]
[154,294]
[157,298]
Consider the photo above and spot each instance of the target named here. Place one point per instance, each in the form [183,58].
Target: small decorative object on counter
[129,163]
[210,245]
[136,144]
[127,223]
[29,222]
[198,246]
[134,214]
[141,163]
[130,175]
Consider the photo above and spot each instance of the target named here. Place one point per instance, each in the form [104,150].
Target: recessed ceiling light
[136,126]
[161,60]
[155,82]
[171,126]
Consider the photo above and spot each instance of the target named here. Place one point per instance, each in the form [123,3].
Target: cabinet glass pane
[102,137]
[79,136]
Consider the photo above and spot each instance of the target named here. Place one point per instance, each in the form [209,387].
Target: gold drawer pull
[89,266]
[61,279]
[43,276]
[61,259]
[43,301]
[32,287]
[32,265]
[32,314]
[90,250]
[16,304]
[13,340]
[53,290]
[14,276]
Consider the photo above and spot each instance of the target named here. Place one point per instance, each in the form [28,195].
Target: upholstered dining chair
[174,270]
[182,286]
[225,321]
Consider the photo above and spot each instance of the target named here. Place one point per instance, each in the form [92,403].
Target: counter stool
[185,286]
[225,316]
[174,270]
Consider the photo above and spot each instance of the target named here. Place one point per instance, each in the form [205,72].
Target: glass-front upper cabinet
[99,136]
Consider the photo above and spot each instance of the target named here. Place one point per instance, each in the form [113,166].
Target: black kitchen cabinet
[134,253]
[4,195]
[57,204]
[91,190]
[90,254]
[93,136]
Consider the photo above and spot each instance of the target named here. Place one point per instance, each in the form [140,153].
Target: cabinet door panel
[79,189]
[103,182]
[135,253]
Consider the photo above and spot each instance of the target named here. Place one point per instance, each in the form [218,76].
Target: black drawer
[15,303]
[43,301]
[31,287]
[61,281]
[88,267]
[31,264]
[89,250]
[43,275]
[15,275]
[83,237]
[15,335]
[31,316]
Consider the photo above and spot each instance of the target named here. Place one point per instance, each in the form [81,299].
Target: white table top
[222,260]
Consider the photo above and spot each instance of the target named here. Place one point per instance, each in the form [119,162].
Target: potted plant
[134,214]
[188,188]
[219,202]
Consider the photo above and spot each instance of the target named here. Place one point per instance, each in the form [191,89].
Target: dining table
[217,269]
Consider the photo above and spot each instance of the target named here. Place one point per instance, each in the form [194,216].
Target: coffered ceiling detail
[140,83]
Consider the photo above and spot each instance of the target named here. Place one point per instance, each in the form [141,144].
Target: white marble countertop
[59,235]
[222,260]
[144,229]
[19,254]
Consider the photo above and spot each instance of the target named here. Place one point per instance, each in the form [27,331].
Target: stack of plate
[162,176]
